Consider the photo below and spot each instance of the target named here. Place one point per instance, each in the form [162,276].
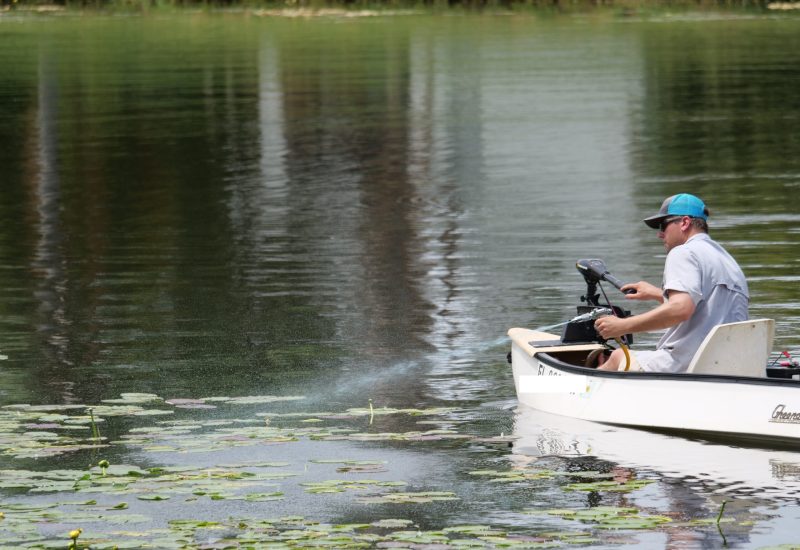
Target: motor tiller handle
[617,283]
[595,270]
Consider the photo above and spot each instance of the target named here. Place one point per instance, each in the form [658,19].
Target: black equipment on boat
[582,330]
[594,271]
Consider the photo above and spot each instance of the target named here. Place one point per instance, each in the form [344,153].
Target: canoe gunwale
[556,363]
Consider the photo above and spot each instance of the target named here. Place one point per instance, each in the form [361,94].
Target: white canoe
[548,377]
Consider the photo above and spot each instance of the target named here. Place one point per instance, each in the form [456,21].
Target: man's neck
[691,232]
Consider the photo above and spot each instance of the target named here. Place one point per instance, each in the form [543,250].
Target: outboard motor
[581,328]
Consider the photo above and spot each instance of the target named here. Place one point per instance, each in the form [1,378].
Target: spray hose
[624,349]
[621,345]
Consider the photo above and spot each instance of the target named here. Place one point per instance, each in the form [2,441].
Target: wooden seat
[735,349]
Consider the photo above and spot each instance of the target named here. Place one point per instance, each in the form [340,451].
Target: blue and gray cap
[683,204]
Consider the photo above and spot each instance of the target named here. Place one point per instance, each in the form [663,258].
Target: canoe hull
[758,409]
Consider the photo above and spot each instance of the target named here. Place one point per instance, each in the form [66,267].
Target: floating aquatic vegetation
[410,498]
[196,423]
[289,416]
[181,439]
[43,408]
[340,486]
[347,462]
[475,530]
[128,398]
[100,497]
[252,399]
[189,404]
[129,410]
[382,411]
[432,435]
[32,448]
[153,497]
[119,470]
[610,486]
[712,521]
[45,425]
[392,523]
[634,522]
[356,466]
[37,432]
[596,513]
[513,476]
[296,531]
[420,537]
[610,517]
[262,497]
[255,464]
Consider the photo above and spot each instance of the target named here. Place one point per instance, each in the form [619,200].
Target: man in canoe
[703,287]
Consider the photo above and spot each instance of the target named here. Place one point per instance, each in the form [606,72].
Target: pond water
[309,236]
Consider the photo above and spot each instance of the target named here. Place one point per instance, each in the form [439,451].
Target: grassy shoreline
[363,8]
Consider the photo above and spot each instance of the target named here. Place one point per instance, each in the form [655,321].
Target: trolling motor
[581,328]
[593,272]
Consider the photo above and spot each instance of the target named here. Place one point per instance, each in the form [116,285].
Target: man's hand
[677,309]
[610,327]
[643,291]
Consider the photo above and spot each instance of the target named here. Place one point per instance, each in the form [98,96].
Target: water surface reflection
[354,210]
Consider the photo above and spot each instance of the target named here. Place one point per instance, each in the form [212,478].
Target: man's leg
[614,361]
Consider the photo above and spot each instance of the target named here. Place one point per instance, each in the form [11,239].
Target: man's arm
[677,308]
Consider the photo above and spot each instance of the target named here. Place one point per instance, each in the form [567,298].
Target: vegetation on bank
[559,5]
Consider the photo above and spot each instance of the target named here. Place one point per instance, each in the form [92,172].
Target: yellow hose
[624,349]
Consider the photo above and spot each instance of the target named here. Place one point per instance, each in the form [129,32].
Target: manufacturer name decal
[780,414]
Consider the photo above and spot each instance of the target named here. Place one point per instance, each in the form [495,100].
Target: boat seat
[735,349]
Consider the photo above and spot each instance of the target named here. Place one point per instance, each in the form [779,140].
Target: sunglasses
[664,223]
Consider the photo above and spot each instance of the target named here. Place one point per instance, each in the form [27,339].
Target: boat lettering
[780,414]
[544,370]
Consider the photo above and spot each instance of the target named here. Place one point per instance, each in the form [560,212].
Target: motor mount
[581,328]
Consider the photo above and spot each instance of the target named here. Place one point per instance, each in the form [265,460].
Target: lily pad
[392,523]
[411,498]
[610,517]
[633,522]
[134,398]
[254,399]
[120,470]
[610,486]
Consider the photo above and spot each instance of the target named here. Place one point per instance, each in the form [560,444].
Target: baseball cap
[682,204]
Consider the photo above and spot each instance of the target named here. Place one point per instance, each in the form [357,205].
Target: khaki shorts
[658,360]
[635,365]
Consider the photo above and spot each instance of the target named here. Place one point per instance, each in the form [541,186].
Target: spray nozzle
[592,315]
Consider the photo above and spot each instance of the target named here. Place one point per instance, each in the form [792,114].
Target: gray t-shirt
[716,285]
